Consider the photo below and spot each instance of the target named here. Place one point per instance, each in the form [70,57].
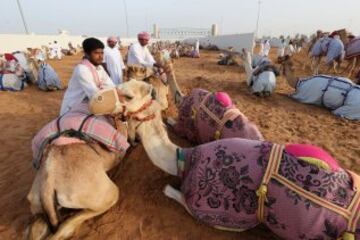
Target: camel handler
[139,54]
[89,76]
[113,61]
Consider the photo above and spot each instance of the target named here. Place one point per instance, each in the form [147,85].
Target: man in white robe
[88,78]
[139,54]
[57,50]
[52,51]
[113,61]
[265,48]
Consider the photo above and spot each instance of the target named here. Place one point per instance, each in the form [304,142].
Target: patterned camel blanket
[79,123]
[198,119]
[338,94]
[222,186]
[11,82]
[353,48]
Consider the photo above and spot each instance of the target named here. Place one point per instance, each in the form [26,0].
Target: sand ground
[143,212]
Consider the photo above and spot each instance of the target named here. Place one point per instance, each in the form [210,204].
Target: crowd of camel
[73,176]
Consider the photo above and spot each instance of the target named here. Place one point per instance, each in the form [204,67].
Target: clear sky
[107,17]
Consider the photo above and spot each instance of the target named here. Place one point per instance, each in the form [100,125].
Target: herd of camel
[75,176]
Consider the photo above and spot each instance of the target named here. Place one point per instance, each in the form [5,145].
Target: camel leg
[68,228]
[317,65]
[353,65]
[171,192]
[335,67]
[38,229]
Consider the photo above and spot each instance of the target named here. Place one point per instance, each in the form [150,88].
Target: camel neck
[161,151]
[248,69]
[290,76]
[174,87]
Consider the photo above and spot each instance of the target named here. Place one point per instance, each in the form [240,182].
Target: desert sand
[143,211]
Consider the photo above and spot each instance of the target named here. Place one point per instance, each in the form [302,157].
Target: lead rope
[274,161]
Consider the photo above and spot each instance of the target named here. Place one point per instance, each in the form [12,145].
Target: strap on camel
[230,115]
[274,161]
[351,213]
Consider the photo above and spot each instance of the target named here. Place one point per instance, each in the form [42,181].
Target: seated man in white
[139,54]
[113,61]
[89,76]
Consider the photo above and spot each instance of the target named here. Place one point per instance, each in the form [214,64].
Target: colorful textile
[112,39]
[198,126]
[144,35]
[335,51]
[353,48]
[320,47]
[48,78]
[311,151]
[9,57]
[97,128]
[338,94]
[11,82]
[224,99]
[221,180]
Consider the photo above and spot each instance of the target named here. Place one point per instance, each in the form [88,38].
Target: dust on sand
[143,211]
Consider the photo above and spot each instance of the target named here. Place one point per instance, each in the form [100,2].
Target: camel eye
[127,97]
[100,98]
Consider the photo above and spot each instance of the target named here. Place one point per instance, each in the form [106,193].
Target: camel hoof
[37,230]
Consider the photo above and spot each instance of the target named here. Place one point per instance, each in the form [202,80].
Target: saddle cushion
[314,152]
[97,128]
[353,48]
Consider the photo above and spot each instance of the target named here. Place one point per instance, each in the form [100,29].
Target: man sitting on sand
[89,76]
[140,54]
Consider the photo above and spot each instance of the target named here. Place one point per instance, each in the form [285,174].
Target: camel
[228,58]
[338,94]
[204,116]
[332,47]
[17,71]
[261,74]
[235,184]
[74,176]
[352,51]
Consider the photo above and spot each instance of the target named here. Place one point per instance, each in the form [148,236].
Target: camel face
[129,96]
[139,72]
[286,60]
[136,94]
[147,74]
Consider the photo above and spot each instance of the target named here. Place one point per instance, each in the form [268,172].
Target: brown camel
[75,177]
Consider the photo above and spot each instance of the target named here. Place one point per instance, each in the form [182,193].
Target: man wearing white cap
[139,54]
[113,61]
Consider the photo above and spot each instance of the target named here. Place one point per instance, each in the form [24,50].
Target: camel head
[286,61]
[127,97]
[139,72]
[164,60]
[158,81]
